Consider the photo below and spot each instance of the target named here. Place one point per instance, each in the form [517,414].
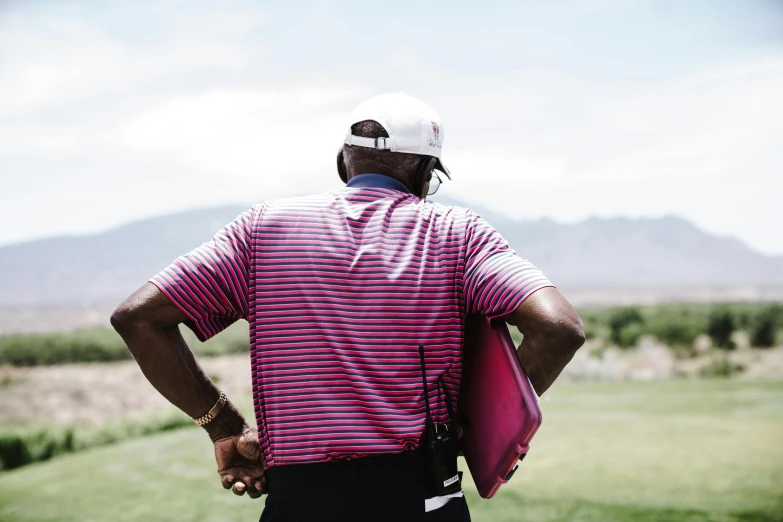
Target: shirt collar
[377,181]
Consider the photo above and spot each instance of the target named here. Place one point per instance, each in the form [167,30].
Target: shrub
[13,451]
[19,449]
[720,326]
[102,345]
[629,335]
[625,326]
[49,349]
[718,367]
[676,325]
[764,327]
[744,319]
[22,447]
[680,324]
[676,332]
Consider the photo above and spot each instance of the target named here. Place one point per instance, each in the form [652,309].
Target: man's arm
[149,323]
[552,333]
[497,281]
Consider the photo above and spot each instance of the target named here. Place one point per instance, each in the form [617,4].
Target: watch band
[211,414]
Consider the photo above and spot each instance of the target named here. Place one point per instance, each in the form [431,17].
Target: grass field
[615,451]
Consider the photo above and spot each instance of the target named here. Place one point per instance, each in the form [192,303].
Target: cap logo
[435,141]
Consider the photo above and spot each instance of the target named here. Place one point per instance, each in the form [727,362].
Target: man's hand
[240,463]
[149,323]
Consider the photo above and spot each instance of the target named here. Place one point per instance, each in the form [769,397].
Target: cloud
[699,145]
[288,137]
[62,58]
[198,110]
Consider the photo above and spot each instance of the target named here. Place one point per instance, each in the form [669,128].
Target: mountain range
[593,253]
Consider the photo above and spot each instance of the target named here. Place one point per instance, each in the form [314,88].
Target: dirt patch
[652,360]
[91,394]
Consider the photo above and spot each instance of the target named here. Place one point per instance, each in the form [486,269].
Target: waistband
[405,473]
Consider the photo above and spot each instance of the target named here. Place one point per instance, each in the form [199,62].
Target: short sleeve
[496,279]
[210,284]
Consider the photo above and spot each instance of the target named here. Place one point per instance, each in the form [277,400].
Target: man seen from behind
[340,291]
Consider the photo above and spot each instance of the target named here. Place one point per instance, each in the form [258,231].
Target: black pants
[379,488]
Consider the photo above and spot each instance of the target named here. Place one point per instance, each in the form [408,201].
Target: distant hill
[636,252]
[106,267]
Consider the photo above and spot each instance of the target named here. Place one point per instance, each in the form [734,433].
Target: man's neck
[374,180]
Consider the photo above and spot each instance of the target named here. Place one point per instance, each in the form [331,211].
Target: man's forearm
[170,366]
[553,333]
[544,357]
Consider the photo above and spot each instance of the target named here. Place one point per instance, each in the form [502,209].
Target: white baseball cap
[412,125]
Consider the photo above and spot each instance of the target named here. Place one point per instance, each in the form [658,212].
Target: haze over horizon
[115,112]
[496,218]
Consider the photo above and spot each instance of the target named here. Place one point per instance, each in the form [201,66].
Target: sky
[114,111]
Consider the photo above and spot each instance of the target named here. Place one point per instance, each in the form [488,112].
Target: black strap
[449,406]
[430,424]
[446,396]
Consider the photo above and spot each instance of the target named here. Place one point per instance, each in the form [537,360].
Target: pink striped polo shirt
[340,289]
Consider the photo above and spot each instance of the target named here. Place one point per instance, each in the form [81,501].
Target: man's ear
[426,167]
[341,170]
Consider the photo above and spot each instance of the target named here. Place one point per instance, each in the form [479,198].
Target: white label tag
[451,481]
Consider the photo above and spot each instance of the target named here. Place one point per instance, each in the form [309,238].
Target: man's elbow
[129,322]
[568,330]
[565,333]
[567,326]
[122,319]
[574,334]
[129,317]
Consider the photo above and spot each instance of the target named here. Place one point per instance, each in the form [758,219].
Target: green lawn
[665,451]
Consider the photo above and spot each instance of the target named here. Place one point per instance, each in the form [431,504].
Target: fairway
[659,451]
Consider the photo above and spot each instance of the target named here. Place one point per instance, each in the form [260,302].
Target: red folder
[497,405]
